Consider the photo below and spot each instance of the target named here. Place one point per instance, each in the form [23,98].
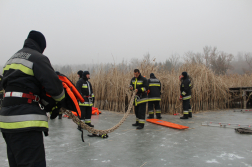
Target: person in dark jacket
[185,96]
[85,89]
[1,91]
[79,73]
[139,84]
[22,120]
[154,98]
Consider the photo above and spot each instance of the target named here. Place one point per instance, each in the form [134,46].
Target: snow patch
[212,161]
[106,161]
[229,156]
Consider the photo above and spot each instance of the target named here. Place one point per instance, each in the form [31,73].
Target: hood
[152,75]
[80,72]
[84,75]
[36,38]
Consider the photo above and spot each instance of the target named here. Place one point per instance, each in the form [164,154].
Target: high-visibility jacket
[154,89]
[185,88]
[27,71]
[85,89]
[140,83]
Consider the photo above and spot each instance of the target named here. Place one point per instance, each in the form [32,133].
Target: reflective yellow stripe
[59,97]
[84,86]
[25,124]
[154,84]
[135,83]
[187,97]
[158,111]
[20,67]
[83,104]
[143,89]
[144,101]
[62,97]
[139,83]
[184,93]
[92,95]
[154,99]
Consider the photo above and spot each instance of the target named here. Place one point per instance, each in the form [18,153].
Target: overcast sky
[85,31]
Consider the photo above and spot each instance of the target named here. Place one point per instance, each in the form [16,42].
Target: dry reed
[210,91]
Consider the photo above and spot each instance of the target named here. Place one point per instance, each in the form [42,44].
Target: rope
[95,131]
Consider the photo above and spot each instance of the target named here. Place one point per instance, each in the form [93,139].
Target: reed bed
[210,91]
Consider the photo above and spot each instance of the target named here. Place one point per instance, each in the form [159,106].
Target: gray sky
[83,31]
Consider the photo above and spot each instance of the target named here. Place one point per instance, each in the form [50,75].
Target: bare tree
[248,59]
[193,58]
[220,61]
[206,53]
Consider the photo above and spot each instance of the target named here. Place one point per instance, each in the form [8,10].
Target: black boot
[151,116]
[184,117]
[60,116]
[89,124]
[136,124]
[140,126]
[158,115]
[190,115]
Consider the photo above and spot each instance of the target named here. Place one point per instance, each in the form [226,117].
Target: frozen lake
[155,145]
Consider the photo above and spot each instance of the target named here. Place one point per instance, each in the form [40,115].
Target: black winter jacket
[28,71]
[155,88]
[141,84]
[85,89]
[185,88]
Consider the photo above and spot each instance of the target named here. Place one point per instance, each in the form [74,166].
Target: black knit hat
[152,75]
[80,72]
[184,74]
[84,75]
[39,38]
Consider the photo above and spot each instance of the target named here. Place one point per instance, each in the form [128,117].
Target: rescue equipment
[100,133]
[226,125]
[70,102]
[244,130]
[95,111]
[168,124]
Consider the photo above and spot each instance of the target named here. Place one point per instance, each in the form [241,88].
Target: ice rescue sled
[168,124]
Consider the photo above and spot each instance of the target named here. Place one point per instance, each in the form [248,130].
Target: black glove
[93,100]
[54,113]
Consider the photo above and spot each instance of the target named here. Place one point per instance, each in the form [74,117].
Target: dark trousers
[186,106]
[154,105]
[25,149]
[140,111]
[86,113]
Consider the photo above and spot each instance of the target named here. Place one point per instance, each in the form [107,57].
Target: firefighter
[22,120]
[185,95]
[154,94]
[79,73]
[85,89]
[139,84]
[1,91]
